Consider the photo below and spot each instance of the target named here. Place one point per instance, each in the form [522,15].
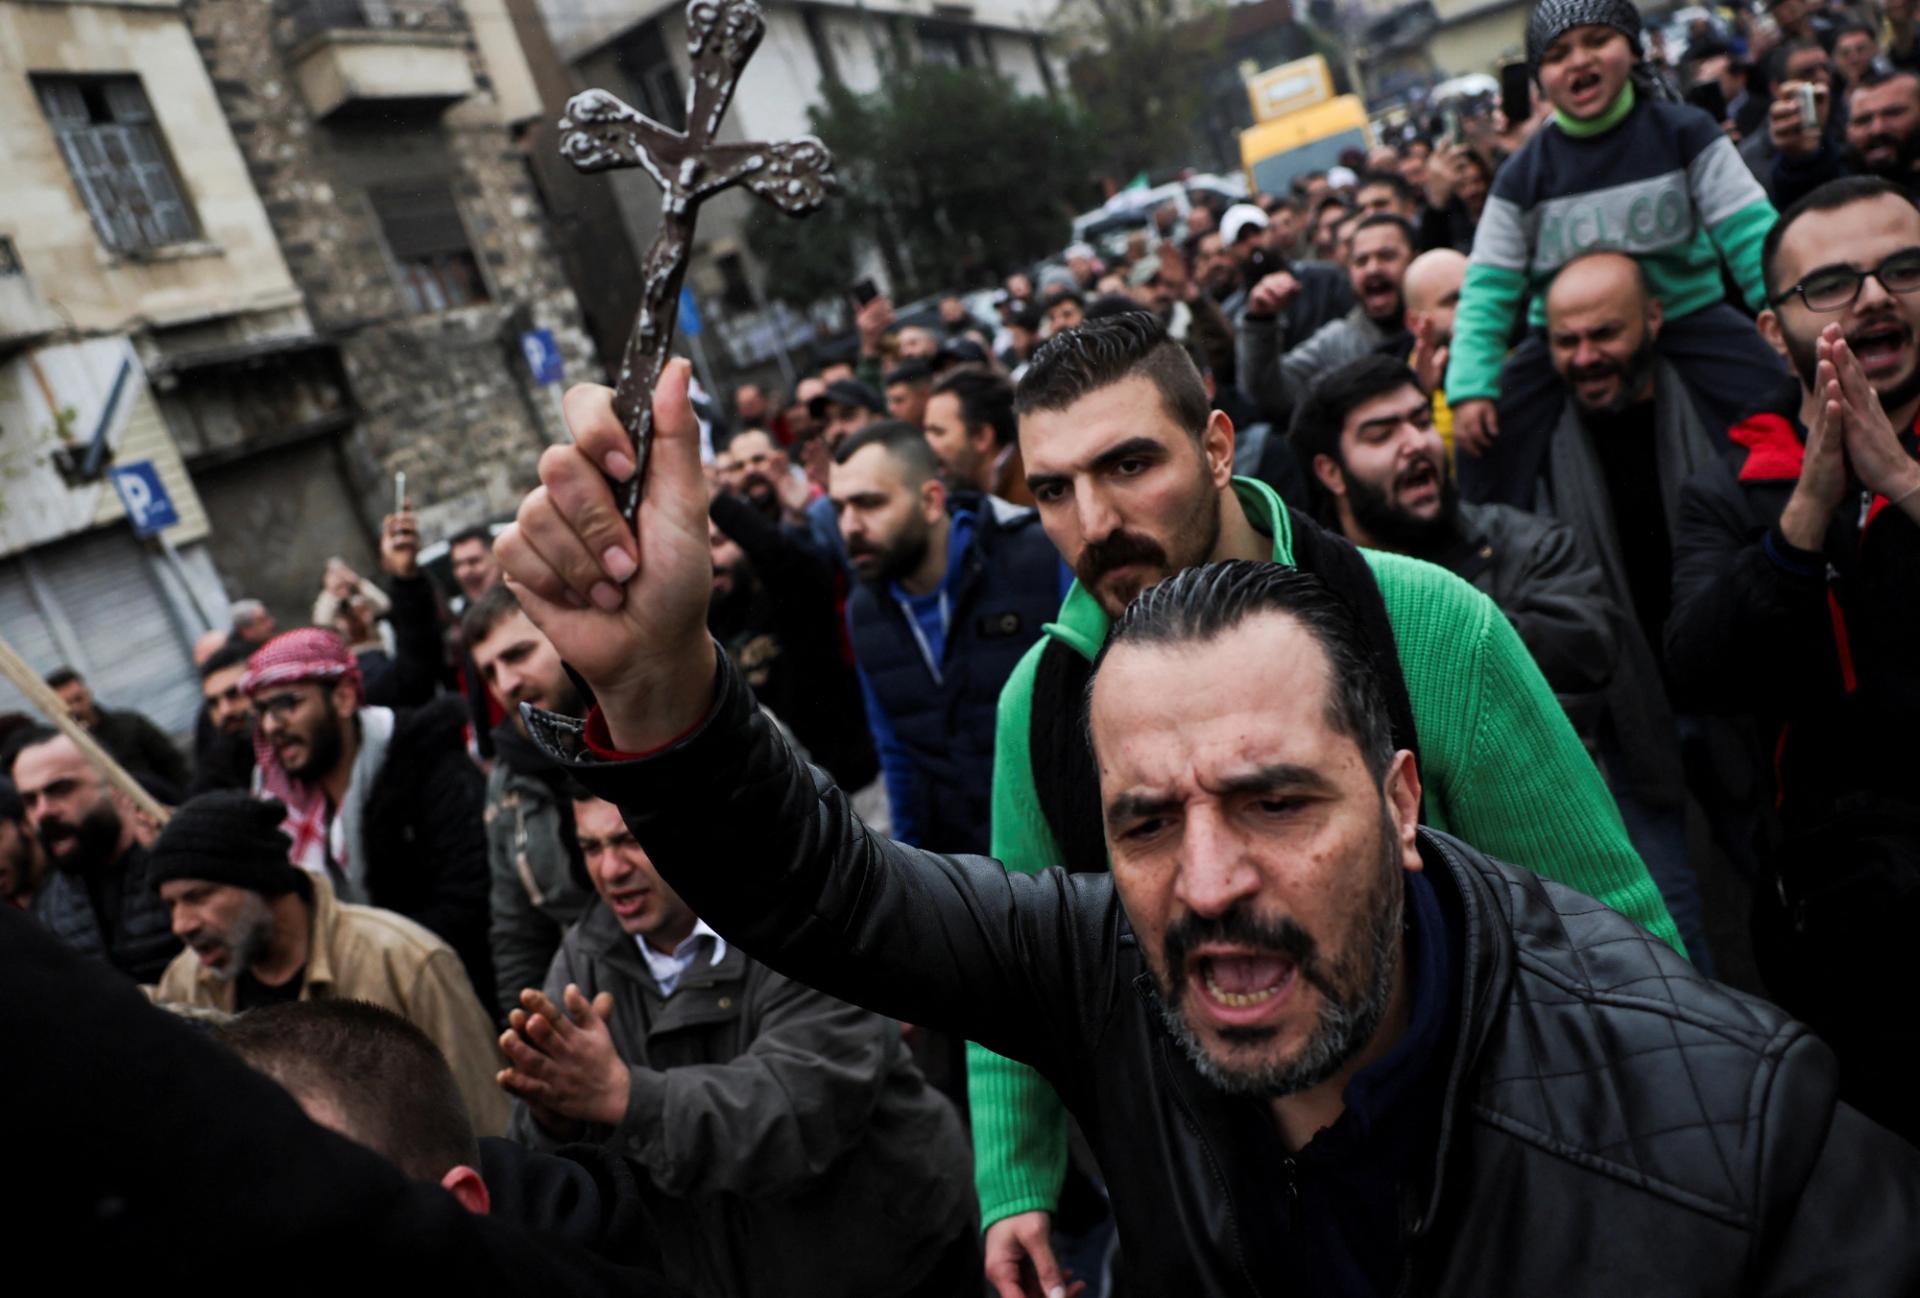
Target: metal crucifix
[600,133]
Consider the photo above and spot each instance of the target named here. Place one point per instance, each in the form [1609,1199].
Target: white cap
[1238,220]
[1078,250]
[1341,178]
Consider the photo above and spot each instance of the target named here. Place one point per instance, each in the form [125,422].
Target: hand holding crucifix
[601,133]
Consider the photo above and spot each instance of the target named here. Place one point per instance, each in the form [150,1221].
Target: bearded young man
[1367,433]
[1316,1046]
[1794,602]
[954,588]
[97,896]
[382,802]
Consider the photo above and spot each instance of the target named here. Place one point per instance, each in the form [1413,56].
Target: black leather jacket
[1613,1123]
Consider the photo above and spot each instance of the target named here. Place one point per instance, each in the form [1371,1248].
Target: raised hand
[1823,471]
[564,1062]
[1873,448]
[1429,359]
[626,611]
[1475,425]
[399,546]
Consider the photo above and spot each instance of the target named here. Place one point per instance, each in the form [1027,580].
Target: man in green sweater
[1132,475]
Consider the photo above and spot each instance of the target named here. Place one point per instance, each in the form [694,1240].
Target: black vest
[1065,782]
[1008,584]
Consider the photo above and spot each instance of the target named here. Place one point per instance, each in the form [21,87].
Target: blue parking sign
[543,356]
[149,507]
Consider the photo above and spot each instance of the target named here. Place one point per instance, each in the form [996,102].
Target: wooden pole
[41,695]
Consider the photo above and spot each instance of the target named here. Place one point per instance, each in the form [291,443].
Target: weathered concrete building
[381,136]
[134,253]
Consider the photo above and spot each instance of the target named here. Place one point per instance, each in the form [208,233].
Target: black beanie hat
[1552,19]
[229,837]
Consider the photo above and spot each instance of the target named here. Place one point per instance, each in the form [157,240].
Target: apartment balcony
[376,56]
[25,317]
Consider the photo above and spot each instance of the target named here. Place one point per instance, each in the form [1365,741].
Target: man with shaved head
[1628,439]
[1432,292]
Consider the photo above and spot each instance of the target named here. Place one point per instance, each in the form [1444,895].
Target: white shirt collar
[667,968]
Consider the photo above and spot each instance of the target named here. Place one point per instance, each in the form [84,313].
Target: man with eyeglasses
[381,802]
[1797,601]
[1629,437]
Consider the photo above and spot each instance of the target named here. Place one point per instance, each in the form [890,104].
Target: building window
[432,259]
[816,24]
[643,59]
[941,43]
[119,161]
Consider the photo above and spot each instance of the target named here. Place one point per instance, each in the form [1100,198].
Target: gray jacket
[1274,374]
[534,889]
[781,1131]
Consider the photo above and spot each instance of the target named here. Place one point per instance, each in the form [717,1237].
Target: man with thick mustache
[1626,442]
[1795,596]
[382,802]
[1316,1046]
[1367,433]
[1274,375]
[1882,139]
[98,898]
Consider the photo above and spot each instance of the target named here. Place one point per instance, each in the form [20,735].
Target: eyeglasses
[1835,287]
[280,706]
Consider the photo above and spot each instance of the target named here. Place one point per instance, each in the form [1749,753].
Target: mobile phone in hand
[864,292]
[1516,93]
[1708,96]
[400,491]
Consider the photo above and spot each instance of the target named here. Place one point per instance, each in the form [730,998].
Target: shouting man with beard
[1794,602]
[382,802]
[1367,433]
[98,896]
[1626,443]
[1132,472]
[954,587]
[1274,372]
[261,931]
[1315,1045]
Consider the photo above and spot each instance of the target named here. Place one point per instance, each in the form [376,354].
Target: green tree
[808,259]
[1143,72]
[953,173]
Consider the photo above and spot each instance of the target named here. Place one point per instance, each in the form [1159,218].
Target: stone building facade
[381,135]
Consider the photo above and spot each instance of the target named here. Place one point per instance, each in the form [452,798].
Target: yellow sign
[1289,88]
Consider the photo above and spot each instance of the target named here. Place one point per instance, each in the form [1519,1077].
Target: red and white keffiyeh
[308,654]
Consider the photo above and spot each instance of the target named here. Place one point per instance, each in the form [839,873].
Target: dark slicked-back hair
[1393,180]
[1322,414]
[386,1079]
[227,655]
[1102,352]
[986,401]
[61,677]
[478,532]
[901,440]
[1199,605]
[1832,196]
[484,614]
[1394,219]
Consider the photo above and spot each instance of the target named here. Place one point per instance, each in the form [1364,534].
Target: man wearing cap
[846,407]
[259,930]
[382,802]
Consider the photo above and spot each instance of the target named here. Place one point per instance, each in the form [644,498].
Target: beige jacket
[364,953]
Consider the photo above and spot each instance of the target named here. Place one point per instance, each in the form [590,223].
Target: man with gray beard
[262,931]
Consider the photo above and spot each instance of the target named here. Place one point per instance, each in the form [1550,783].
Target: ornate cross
[600,133]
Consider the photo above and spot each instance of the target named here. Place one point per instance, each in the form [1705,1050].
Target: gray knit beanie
[1552,19]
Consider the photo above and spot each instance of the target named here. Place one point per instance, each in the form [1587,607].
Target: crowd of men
[1235,776]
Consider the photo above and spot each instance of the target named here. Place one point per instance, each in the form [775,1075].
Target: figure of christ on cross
[600,133]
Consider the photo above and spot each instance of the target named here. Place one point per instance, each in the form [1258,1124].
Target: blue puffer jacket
[935,734]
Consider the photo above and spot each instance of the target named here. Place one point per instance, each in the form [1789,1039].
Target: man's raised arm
[761,845]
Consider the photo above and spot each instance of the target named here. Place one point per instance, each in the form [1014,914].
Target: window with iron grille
[431,255]
[119,161]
